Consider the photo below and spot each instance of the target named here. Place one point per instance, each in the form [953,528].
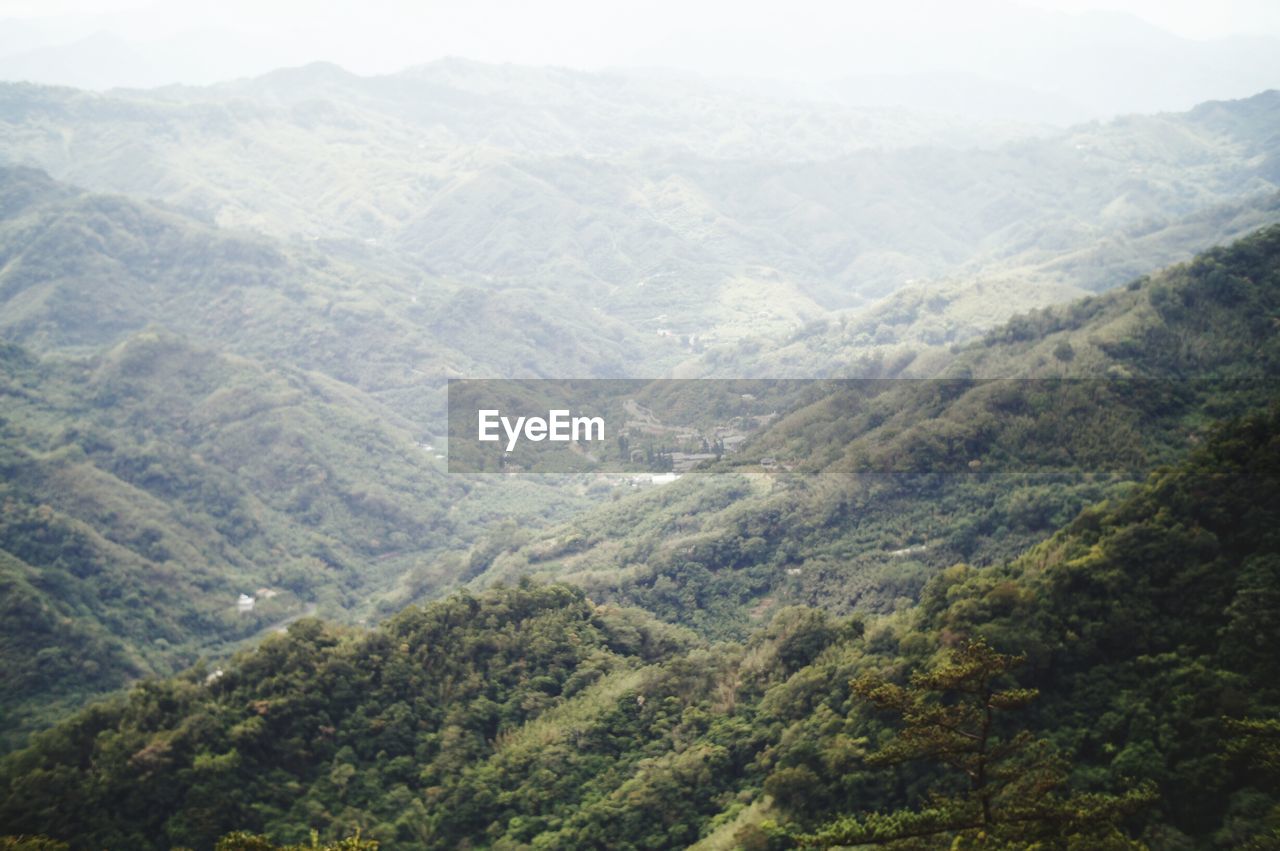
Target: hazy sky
[1188,18]
[383,35]
[1097,57]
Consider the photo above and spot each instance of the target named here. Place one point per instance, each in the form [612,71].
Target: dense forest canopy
[529,716]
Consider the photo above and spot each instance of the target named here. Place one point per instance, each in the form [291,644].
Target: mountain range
[242,592]
[533,715]
[591,191]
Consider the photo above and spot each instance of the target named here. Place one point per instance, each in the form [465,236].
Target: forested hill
[189,413]
[80,271]
[529,717]
[1124,381]
[146,488]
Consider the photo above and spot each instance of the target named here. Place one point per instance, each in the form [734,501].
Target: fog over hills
[665,205]
[1027,62]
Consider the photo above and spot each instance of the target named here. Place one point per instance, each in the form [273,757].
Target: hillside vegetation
[889,488]
[145,489]
[1016,589]
[530,717]
[185,477]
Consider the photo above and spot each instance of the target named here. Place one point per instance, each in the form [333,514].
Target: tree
[31,843]
[242,841]
[1011,793]
[1256,744]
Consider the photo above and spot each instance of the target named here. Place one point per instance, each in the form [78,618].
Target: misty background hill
[677,217]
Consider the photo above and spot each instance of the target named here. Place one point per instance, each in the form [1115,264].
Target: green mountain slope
[186,477]
[993,466]
[528,717]
[80,271]
[145,489]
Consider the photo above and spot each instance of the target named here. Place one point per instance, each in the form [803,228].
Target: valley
[246,587]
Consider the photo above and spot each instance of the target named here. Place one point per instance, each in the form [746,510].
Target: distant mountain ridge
[1022,63]
[661,205]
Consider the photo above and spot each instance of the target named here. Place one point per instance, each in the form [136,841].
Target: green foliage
[529,716]
[1156,585]
[241,841]
[31,843]
[144,489]
[516,712]
[1013,795]
[709,240]
[895,481]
